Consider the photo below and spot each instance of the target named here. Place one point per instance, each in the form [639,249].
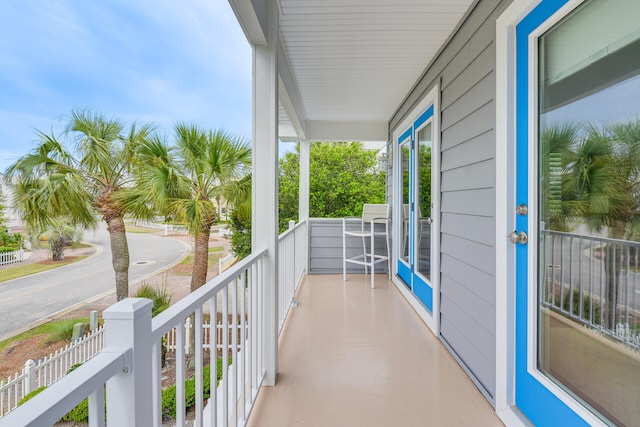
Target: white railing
[132,339]
[11,257]
[235,297]
[170,339]
[48,370]
[293,255]
[594,281]
[241,299]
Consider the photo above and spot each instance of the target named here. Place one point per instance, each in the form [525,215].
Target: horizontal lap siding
[325,248]
[465,69]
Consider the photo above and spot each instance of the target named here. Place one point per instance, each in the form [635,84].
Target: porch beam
[265,182]
[252,19]
[289,95]
[348,131]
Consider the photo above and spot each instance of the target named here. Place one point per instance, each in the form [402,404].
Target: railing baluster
[180,392]
[156,366]
[580,267]
[252,350]
[197,325]
[234,352]
[243,344]
[213,359]
[225,356]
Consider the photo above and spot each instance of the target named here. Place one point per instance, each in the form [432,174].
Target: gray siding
[325,248]
[465,70]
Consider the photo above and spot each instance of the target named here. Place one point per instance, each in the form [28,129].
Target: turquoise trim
[535,401]
[406,135]
[423,118]
[404,273]
[423,291]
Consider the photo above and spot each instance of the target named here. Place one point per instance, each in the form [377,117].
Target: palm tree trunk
[200,258]
[119,254]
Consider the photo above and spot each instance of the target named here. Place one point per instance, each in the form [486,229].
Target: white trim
[265,185]
[420,309]
[432,319]
[249,21]
[505,197]
[505,204]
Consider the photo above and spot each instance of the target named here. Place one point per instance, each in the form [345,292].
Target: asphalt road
[26,301]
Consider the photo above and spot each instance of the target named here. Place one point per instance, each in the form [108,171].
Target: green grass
[216,249]
[47,329]
[25,270]
[80,245]
[188,260]
[139,230]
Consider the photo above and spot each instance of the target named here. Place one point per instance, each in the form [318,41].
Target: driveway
[27,301]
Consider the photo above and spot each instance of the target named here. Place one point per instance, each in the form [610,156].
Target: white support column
[265,182]
[303,195]
[128,325]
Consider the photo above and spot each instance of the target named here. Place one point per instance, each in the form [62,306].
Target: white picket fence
[48,370]
[170,337]
[167,228]
[11,257]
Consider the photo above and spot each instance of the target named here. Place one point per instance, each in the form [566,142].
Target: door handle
[520,237]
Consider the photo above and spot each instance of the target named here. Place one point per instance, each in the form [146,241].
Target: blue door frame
[533,398]
[407,272]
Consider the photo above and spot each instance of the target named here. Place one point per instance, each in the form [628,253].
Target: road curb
[78,305]
[98,251]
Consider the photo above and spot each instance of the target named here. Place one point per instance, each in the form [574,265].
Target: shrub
[169,393]
[586,306]
[63,330]
[30,395]
[161,297]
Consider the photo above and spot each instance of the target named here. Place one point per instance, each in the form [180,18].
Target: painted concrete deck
[355,356]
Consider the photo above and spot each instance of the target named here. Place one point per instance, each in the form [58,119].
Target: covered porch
[316,350]
[355,356]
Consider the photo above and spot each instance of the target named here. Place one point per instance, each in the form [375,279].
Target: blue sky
[162,61]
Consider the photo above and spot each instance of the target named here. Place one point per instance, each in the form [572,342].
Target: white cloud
[163,61]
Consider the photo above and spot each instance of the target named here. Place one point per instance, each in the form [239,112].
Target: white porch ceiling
[346,65]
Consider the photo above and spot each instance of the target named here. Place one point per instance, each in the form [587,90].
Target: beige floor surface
[355,356]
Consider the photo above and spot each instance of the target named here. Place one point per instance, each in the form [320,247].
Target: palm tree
[600,186]
[184,179]
[54,182]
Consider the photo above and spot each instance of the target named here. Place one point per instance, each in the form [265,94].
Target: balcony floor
[355,356]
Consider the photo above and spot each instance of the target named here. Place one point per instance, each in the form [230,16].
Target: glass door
[416,243]
[578,173]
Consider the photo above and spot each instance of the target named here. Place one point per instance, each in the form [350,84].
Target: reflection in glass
[405,162]
[423,191]
[589,208]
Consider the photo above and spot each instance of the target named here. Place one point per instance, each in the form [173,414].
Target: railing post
[129,397]
[188,324]
[30,380]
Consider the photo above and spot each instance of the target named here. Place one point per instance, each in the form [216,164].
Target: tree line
[101,169]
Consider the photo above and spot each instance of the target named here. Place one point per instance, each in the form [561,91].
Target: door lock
[522,209]
[520,237]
